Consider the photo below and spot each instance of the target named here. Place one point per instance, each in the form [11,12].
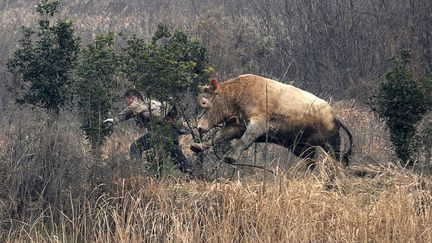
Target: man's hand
[108,121]
[107,125]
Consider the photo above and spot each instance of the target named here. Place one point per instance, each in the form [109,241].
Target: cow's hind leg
[306,152]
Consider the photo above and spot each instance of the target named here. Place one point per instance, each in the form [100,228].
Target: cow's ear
[215,86]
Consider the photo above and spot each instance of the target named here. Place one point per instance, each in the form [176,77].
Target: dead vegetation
[334,47]
[58,193]
[51,189]
[393,205]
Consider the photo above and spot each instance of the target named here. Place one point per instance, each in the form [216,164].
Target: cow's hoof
[197,147]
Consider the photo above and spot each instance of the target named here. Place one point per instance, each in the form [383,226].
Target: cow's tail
[346,155]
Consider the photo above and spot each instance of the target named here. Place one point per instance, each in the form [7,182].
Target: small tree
[45,60]
[166,68]
[97,87]
[402,103]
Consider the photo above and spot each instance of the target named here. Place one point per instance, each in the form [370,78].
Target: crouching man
[147,113]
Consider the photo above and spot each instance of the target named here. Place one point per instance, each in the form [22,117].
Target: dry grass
[366,202]
[424,136]
[371,138]
[255,37]
[391,206]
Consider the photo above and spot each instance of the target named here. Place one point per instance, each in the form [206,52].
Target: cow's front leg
[254,130]
[225,134]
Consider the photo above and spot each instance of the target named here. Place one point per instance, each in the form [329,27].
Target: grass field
[371,201]
[391,205]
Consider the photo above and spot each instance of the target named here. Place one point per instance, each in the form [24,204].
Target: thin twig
[255,166]
[187,122]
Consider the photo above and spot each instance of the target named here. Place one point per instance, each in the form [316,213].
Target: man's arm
[138,108]
[124,115]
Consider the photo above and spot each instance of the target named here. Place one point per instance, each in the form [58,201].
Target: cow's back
[287,107]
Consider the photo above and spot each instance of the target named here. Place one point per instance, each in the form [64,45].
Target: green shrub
[402,102]
[97,87]
[166,68]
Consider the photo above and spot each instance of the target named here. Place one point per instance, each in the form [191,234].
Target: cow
[258,109]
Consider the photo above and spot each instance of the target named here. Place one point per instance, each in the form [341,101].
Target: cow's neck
[227,108]
[234,97]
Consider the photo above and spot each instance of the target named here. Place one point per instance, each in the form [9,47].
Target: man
[148,113]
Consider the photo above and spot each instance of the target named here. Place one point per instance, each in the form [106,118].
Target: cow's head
[214,107]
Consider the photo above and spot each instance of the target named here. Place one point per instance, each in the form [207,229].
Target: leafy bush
[167,68]
[97,87]
[402,102]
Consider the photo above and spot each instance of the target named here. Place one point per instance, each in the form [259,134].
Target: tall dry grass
[59,193]
[391,206]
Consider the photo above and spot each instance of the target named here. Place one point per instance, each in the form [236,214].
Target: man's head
[131,95]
